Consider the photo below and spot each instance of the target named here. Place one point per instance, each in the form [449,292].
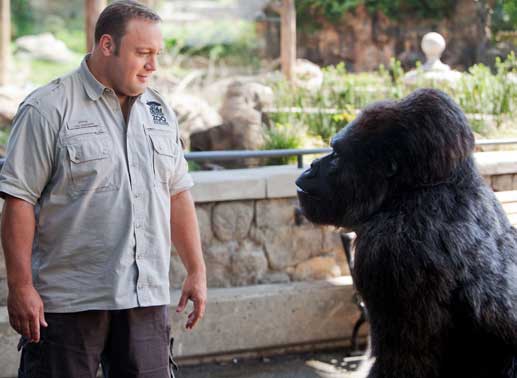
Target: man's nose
[151,63]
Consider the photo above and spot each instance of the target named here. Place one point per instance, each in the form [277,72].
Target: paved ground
[332,364]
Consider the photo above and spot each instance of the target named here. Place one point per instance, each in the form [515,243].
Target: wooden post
[92,9]
[5,40]
[288,38]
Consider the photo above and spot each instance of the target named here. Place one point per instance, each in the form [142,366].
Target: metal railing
[299,153]
[246,154]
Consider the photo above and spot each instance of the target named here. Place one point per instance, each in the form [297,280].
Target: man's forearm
[18,225]
[185,232]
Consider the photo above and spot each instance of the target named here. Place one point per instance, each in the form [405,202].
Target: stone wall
[364,41]
[250,242]
[250,233]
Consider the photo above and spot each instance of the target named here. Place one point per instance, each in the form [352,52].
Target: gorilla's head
[391,147]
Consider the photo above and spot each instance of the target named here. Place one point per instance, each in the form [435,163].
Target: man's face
[131,70]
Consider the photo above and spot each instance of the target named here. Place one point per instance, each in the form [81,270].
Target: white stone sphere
[433,45]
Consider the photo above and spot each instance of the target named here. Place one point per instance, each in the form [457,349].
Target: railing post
[300,161]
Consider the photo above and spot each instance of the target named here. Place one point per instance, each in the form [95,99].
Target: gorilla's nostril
[313,171]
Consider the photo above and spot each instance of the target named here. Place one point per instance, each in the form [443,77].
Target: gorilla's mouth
[306,193]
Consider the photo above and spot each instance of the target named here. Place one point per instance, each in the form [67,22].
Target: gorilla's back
[437,268]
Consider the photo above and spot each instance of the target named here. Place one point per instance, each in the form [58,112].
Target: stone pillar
[92,9]
[5,40]
[288,38]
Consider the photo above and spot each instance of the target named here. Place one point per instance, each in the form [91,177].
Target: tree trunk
[91,11]
[288,38]
[5,40]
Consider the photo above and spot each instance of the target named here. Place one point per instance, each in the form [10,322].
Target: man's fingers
[197,314]
[42,320]
[26,328]
[182,303]
[34,327]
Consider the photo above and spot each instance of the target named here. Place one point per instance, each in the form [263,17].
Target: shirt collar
[92,86]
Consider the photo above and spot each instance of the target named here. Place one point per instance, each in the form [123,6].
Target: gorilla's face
[390,148]
[348,184]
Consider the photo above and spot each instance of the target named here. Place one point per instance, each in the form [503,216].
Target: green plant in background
[489,97]
[283,136]
[22,18]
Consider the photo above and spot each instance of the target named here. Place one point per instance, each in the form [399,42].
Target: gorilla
[435,255]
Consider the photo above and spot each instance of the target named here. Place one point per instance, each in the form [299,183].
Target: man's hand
[194,288]
[26,314]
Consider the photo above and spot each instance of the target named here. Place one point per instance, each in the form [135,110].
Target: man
[96,186]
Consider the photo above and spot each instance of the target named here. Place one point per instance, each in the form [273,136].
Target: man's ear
[107,45]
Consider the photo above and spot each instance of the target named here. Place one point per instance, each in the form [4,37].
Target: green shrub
[283,136]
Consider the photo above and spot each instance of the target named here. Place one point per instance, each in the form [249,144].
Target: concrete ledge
[242,184]
[278,181]
[496,162]
[245,319]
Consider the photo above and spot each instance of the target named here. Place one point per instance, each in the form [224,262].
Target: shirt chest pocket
[91,166]
[164,157]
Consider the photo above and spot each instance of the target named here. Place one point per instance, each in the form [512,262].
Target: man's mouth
[142,78]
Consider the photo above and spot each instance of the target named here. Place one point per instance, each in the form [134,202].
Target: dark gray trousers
[131,343]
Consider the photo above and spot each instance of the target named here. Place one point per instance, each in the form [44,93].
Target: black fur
[436,259]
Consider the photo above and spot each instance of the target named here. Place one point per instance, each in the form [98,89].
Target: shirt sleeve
[29,156]
[181,179]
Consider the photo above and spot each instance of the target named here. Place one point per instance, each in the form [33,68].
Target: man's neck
[95,67]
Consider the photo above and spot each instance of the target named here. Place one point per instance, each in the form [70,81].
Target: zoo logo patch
[155,108]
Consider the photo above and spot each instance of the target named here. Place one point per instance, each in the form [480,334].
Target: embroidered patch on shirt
[155,108]
[81,124]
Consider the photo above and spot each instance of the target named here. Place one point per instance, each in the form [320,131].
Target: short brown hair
[115,17]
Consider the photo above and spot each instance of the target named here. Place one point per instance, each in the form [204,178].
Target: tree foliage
[333,10]
[505,15]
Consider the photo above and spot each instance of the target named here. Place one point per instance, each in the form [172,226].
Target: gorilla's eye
[333,164]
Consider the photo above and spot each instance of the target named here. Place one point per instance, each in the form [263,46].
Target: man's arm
[24,304]
[185,237]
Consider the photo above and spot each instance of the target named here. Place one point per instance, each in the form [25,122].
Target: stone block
[218,259]
[501,183]
[275,212]
[514,182]
[268,316]
[275,278]
[228,185]
[232,220]
[496,162]
[488,180]
[282,183]
[288,246]
[251,318]
[3,271]
[9,356]
[204,217]
[249,264]
[331,239]
[3,291]
[177,272]
[317,268]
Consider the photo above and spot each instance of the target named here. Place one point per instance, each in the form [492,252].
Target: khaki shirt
[101,191]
